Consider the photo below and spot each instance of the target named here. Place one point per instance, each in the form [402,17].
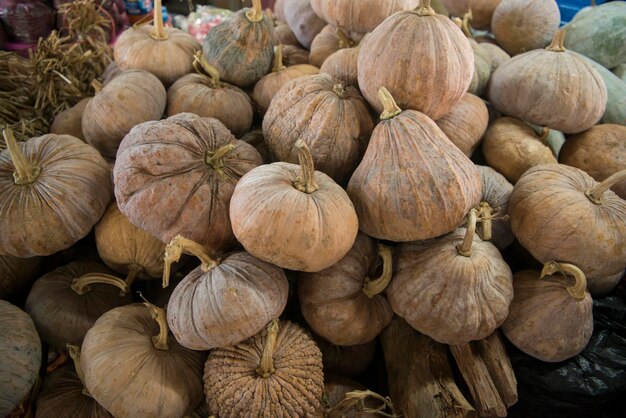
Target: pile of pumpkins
[355,197]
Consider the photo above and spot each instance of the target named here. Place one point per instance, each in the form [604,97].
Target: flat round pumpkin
[17,274]
[466,123]
[359,15]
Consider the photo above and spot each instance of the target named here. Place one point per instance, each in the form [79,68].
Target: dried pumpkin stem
[306,181]
[465,248]
[344,41]
[339,89]
[83,284]
[255,14]
[174,250]
[424,9]
[215,159]
[74,352]
[159,31]
[485,216]
[557,42]
[390,108]
[465,24]
[266,366]
[595,194]
[579,289]
[158,314]
[133,273]
[545,133]
[202,66]
[373,287]
[278,59]
[25,172]
[97,86]
[356,399]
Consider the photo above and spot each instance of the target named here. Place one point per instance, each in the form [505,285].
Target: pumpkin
[455,289]
[128,354]
[223,301]
[347,360]
[256,139]
[44,182]
[253,377]
[303,21]
[127,249]
[496,193]
[294,55]
[550,137]
[131,98]
[551,319]
[482,73]
[334,121]
[205,95]
[66,302]
[284,35]
[267,87]
[241,48]
[293,216]
[603,285]
[16,274]
[620,72]
[523,25]
[431,78]
[279,9]
[69,122]
[343,66]
[165,52]
[497,56]
[553,201]
[482,10]
[466,123]
[359,16]
[110,72]
[344,303]
[326,43]
[20,356]
[512,147]
[600,152]
[409,156]
[196,163]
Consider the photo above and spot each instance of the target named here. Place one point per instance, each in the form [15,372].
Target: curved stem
[485,216]
[305,182]
[202,66]
[595,194]
[390,108]
[579,289]
[255,14]
[159,31]
[465,248]
[25,172]
[424,9]
[465,24]
[340,90]
[557,42]
[344,41]
[82,284]
[278,59]
[355,399]
[158,314]
[215,159]
[74,352]
[133,273]
[373,287]
[266,366]
[174,250]
[97,86]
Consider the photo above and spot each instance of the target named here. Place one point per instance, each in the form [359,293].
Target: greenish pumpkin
[620,71]
[482,73]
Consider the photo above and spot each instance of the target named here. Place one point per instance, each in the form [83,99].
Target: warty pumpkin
[409,156]
[44,182]
[16,274]
[496,193]
[343,66]
[466,123]
[293,216]
[69,122]
[482,10]
[303,21]
[326,43]
[359,16]
[350,360]
[252,378]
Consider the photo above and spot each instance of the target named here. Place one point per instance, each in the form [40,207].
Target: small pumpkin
[482,10]
[358,15]
[553,201]
[350,360]
[241,48]
[550,318]
[294,55]
[69,122]
[343,66]
[16,274]
[303,21]
[317,224]
[251,378]
[128,353]
[497,56]
[284,35]
[44,182]
[466,123]
[409,156]
[482,73]
[131,98]
[344,303]
[205,95]
[20,356]
[496,193]
[455,289]
[326,43]
[165,52]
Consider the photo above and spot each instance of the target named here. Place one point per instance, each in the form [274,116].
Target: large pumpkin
[16,274]
[359,15]
[466,123]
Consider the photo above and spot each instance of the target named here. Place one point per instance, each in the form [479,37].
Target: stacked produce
[306,214]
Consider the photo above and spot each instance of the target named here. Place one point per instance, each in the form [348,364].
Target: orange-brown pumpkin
[326,43]
[343,66]
[482,10]
[16,274]
[69,122]
[466,123]
[359,15]
[303,21]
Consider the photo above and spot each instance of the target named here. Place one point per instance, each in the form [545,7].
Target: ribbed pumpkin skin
[431,78]
[359,15]
[234,389]
[548,204]
[165,187]
[74,184]
[129,377]
[497,192]
[303,21]
[413,183]
[267,87]
[16,274]
[227,304]
[482,10]
[229,104]
[20,356]
[466,123]
[343,66]
[545,88]
[240,50]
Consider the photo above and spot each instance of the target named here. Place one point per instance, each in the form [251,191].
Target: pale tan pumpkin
[466,123]
[497,56]
[303,21]
[482,10]
[359,15]
[343,66]
[69,122]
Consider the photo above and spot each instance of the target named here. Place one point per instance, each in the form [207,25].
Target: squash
[293,216]
[497,56]
[326,43]
[16,274]
[241,48]
[110,72]
[466,123]
[252,378]
[530,87]
[512,147]
[128,354]
[553,201]
[482,10]
[279,9]
[550,319]
[359,16]
[550,137]
[523,25]
[20,356]
[196,163]
[343,66]
[66,302]
[44,182]
[431,78]
[223,301]
[482,73]
[334,121]
[455,289]
[69,122]
[303,21]
[165,52]
[350,360]
[342,303]
[620,72]
[205,95]
[496,193]
[409,156]
[131,98]
[284,35]
[600,152]
[294,55]
[256,139]
[267,87]
[604,285]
